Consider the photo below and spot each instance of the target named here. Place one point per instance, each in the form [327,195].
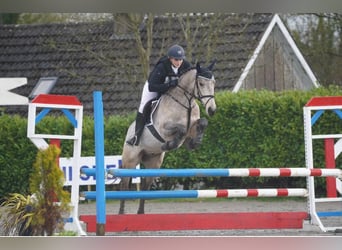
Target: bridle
[199,94]
[192,95]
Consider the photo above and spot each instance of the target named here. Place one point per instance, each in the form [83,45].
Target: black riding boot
[139,128]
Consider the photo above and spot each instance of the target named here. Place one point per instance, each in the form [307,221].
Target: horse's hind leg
[196,134]
[146,184]
[124,186]
[149,161]
[130,159]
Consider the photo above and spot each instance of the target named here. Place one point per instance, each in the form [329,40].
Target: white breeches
[146,96]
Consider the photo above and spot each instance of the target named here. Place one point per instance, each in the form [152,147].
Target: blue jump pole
[219,172]
[99,159]
[119,195]
[161,172]
[169,172]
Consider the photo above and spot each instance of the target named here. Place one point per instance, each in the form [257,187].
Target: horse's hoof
[194,143]
[202,124]
[165,146]
[168,146]
[133,141]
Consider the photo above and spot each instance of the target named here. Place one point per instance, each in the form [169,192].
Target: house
[276,63]
[253,51]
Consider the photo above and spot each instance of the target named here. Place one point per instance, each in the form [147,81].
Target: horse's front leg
[177,131]
[196,134]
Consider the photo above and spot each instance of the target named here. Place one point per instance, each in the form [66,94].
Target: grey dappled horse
[176,121]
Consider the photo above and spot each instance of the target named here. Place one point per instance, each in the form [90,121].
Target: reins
[190,96]
[186,93]
[189,107]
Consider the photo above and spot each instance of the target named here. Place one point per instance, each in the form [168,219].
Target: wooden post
[330,163]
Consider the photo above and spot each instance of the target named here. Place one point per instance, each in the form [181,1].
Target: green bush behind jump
[250,129]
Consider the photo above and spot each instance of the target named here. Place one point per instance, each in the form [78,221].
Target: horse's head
[205,85]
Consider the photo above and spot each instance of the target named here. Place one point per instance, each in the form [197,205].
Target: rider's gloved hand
[173,83]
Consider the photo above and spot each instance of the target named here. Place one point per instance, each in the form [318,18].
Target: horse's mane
[183,73]
[204,72]
[186,71]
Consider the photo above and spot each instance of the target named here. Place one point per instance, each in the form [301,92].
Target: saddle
[149,109]
[148,112]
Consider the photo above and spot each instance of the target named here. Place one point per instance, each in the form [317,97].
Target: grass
[66,233]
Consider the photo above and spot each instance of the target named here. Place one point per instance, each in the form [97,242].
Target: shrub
[39,213]
[249,129]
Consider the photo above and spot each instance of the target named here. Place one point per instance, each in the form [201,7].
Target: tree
[196,37]
[319,39]
[134,24]
[34,18]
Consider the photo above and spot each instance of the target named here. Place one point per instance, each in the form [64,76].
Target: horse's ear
[198,67]
[211,66]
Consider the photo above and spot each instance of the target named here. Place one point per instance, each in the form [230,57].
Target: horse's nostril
[211,111]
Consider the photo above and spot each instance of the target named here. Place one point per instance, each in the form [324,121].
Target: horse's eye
[201,83]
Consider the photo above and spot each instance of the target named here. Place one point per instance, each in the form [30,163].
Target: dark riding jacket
[162,74]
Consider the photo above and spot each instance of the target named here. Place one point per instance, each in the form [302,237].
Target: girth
[154,104]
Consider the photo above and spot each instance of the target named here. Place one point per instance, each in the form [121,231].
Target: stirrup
[132,141]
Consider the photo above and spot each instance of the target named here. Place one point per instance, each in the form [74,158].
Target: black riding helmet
[176,52]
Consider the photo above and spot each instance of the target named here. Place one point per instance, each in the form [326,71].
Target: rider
[163,77]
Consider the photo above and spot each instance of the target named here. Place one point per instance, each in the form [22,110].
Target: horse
[175,121]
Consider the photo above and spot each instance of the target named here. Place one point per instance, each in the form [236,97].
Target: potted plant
[40,212]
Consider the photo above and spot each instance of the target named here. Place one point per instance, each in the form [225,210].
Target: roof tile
[88,56]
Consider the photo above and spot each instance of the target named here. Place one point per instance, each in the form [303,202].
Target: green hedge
[17,155]
[250,129]
[257,129]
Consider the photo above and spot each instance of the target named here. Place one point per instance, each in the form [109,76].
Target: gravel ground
[225,205]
